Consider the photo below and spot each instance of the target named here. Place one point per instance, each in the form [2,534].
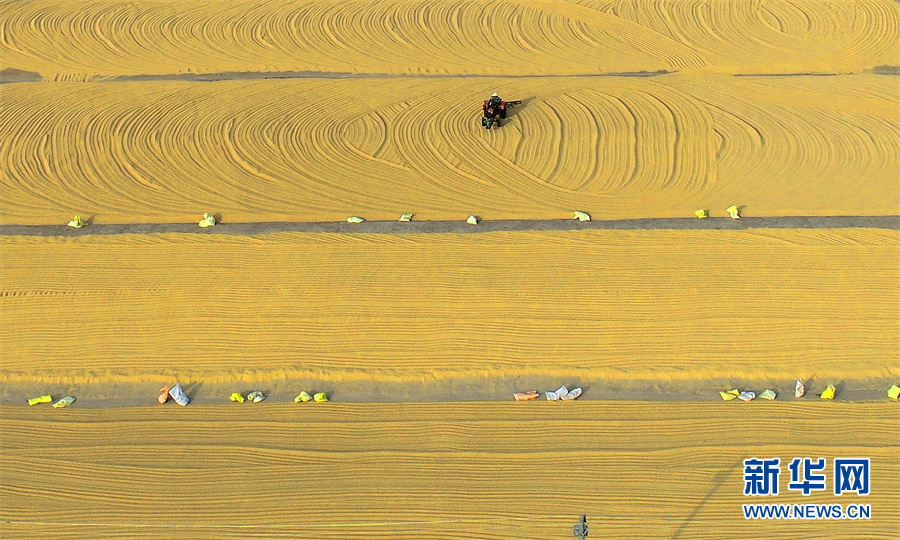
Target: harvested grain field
[477,470]
[612,305]
[164,151]
[284,117]
[532,37]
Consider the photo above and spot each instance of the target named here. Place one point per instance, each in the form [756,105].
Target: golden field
[612,305]
[80,39]
[166,151]
[415,470]
[155,111]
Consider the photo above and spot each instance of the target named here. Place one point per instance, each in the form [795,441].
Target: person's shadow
[717,483]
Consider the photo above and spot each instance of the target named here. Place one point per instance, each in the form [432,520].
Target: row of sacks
[406,217]
[471,220]
[799,391]
[47,398]
[257,396]
[734,212]
[253,397]
[175,392]
[768,393]
[206,221]
[745,395]
[560,394]
[209,221]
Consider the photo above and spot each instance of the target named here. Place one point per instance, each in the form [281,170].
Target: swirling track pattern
[611,305]
[320,150]
[431,36]
[448,470]
[766,36]
[76,39]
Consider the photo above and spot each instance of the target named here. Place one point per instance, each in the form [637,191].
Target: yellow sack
[355,219]
[302,397]
[207,221]
[41,399]
[828,393]
[894,392]
[76,222]
[768,393]
[731,394]
[237,398]
[472,220]
[701,214]
[581,216]
[733,212]
[320,397]
[405,217]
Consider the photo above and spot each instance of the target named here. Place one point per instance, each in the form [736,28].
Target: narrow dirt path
[460,226]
